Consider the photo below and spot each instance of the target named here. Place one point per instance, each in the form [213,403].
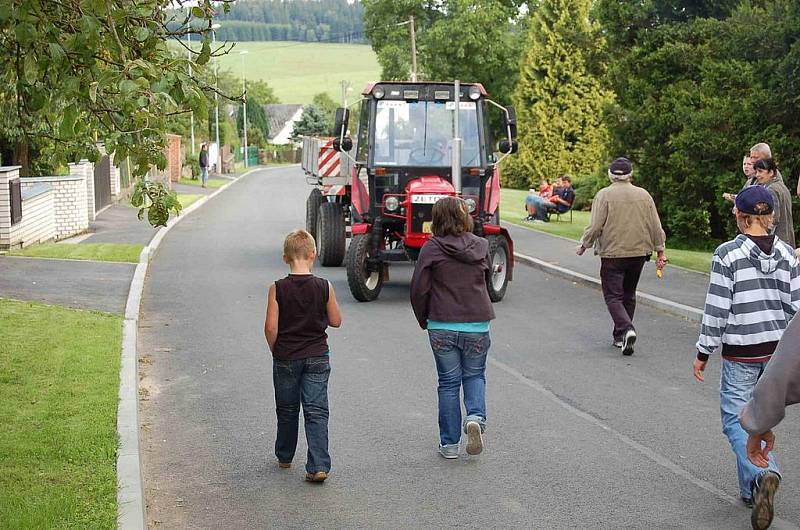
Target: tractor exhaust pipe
[456,150]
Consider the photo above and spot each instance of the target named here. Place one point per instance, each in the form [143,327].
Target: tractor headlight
[474,93]
[471,204]
[378,92]
[391,204]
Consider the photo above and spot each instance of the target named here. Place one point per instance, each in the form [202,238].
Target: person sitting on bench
[563,195]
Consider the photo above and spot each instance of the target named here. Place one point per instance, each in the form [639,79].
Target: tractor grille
[420,213]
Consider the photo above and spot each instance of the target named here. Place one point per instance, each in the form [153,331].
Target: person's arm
[334,312]
[596,223]
[421,287]
[271,322]
[777,210]
[778,387]
[657,235]
[715,314]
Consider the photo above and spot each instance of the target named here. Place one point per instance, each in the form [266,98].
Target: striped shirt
[751,298]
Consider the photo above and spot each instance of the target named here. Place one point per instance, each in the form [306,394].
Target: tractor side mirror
[509,145]
[340,142]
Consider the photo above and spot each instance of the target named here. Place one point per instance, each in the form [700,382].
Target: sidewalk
[681,286]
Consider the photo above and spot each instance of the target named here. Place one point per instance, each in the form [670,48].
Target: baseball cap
[751,196]
[621,166]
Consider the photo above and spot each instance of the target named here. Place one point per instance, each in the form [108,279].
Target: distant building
[281,118]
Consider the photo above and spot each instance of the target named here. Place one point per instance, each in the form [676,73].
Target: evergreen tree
[327,106]
[256,119]
[312,123]
[559,101]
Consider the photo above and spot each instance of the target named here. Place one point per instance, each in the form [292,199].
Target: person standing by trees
[625,230]
[450,300]
[203,161]
[767,175]
[751,276]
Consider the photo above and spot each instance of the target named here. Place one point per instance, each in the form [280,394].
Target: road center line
[633,444]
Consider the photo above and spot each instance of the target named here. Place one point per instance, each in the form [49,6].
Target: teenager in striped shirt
[753,294]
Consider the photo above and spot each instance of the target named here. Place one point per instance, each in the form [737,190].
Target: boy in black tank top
[300,307]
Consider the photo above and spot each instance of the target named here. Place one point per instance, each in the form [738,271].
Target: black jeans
[619,278]
[304,381]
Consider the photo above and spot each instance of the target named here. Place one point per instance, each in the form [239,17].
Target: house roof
[278,114]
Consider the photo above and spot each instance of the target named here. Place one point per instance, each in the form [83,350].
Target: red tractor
[414,149]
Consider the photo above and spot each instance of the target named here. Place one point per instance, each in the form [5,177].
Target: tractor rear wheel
[499,259]
[365,286]
[314,201]
[331,235]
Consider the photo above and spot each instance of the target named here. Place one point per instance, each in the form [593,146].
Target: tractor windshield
[420,133]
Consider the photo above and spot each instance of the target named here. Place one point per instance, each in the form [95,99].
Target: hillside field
[298,70]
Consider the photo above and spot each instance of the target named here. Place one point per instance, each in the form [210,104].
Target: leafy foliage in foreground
[75,72]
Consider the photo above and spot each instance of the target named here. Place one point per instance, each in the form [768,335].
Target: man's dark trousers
[619,278]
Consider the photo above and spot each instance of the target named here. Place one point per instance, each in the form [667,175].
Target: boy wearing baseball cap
[754,292]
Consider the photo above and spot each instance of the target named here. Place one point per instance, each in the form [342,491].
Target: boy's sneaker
[618,343]
[763,508]
[319,476]
[747,502]
[449,451]
[474,438]
[628,340]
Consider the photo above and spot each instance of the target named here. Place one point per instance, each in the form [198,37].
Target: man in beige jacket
[625,230]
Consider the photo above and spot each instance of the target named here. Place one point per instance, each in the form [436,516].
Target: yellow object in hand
[660,273]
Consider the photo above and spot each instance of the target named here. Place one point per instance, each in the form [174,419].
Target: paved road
[579,437]
[71,283]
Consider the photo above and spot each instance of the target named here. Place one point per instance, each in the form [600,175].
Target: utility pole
[413,51]
[244,107]
[189,35]
[345,89]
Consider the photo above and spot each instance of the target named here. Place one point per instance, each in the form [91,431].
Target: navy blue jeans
[460,361]
[302,382]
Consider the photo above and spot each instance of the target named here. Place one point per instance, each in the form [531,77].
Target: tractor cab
[417,143]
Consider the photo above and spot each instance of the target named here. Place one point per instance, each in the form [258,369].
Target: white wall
[86,169]
[38,212]
[69,202]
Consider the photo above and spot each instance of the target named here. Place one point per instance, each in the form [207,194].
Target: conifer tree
[559,100]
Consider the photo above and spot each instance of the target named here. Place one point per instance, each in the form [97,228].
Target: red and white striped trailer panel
[322,162]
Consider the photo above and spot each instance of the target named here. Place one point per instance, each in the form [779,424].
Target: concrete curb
[684,311]
[131,510]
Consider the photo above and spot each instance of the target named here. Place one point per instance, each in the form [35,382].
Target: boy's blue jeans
[303,382]
[735,389]
[461,361]
[204,175]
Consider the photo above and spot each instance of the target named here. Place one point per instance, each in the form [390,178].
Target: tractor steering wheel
[429,155]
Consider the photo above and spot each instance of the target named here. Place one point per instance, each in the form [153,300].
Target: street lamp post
[189,36]
[244,106]
[218,165]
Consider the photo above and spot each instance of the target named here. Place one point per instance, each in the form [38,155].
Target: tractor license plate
[426,199]
[426,227]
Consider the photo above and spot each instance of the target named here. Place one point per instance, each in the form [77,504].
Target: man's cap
[621,166]
[748,199]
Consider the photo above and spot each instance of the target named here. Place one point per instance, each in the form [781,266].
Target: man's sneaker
[628,340]
[618,343]
[474,438]
[284,465]
[763,508]
[449,451]
[319,476]
[747,502]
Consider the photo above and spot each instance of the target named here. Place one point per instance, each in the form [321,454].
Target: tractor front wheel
[365,285]
[314,201]
[331,234]
[499,259]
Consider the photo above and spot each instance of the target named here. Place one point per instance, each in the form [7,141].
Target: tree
[75,71]
[312,123]
[470,40]
[327,107]
[256,119]
[559,101]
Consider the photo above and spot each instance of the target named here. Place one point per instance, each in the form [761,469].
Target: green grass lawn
[186,199]
[212,183]
[513,211]
[59,379]
[297,71]
[84,251]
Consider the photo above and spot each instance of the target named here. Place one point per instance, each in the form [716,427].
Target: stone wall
[85,169]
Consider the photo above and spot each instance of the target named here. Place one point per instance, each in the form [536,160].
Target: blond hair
[745,221]
[761,149]
[299,244]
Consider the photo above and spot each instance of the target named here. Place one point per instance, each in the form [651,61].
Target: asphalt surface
[120,223]
[578,437]
[79,284]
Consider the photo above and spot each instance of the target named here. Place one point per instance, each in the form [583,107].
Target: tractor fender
[360,228]
[495,230]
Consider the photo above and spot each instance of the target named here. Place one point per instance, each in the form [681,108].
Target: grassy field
[513,211]
[297,70]
[85,251]
[212,183]
[187,199]
[58,406]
